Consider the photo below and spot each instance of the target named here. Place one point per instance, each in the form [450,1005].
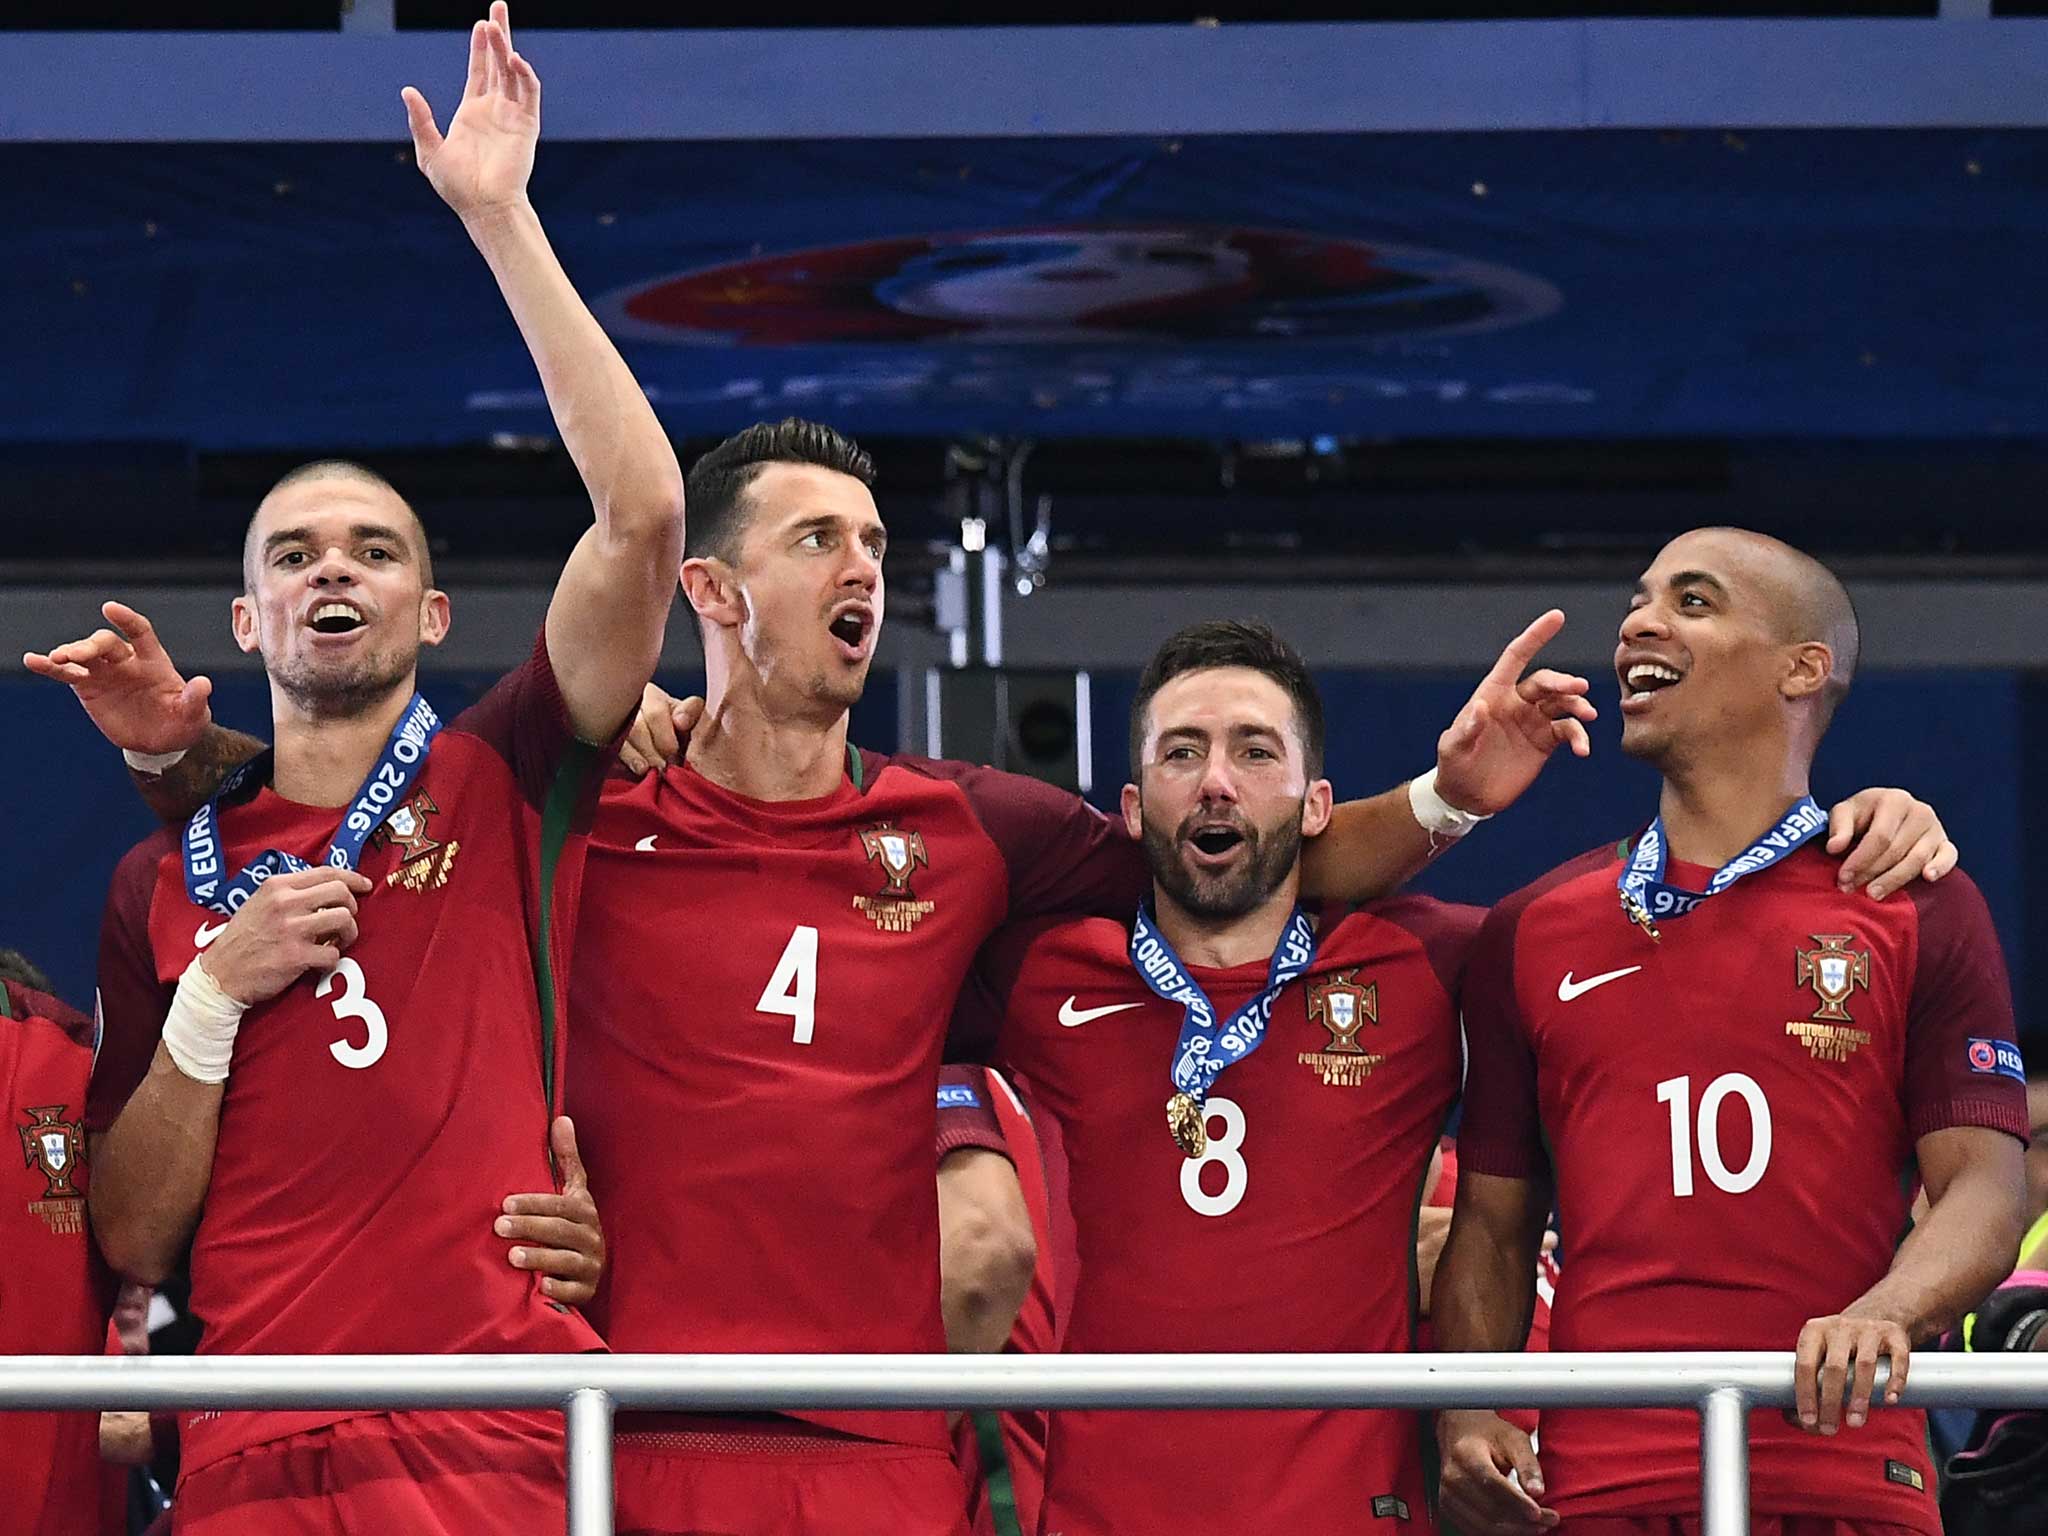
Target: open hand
[558,1236]
[125,679]
[1509,727]
[485,158]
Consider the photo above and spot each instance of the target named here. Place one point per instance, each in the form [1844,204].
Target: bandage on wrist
[199,1031]
[1436,815]
[152,763]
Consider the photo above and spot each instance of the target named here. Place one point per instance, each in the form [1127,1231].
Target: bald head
[349,473]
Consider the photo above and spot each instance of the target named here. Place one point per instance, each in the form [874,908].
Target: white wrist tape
[1436,815]
[200,1030]
[152,763]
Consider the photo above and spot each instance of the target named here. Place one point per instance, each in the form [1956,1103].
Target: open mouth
[1643,678]
[850,629]
[1215,842]
[336,619]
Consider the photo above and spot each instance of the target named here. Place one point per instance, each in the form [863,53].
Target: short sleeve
[525,721]
[965,1115]
[1500,1130]
[977,1029]
[132,1001]
[1962,1054]
[1065,858]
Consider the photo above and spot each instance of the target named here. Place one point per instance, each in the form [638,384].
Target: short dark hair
[17,967]
[1233,643]
[716,492]
[336,469]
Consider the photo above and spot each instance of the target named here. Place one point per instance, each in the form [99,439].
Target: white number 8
[354,1003]
[1221,1149]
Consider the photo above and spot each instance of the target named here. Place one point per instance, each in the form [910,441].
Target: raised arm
[604,627]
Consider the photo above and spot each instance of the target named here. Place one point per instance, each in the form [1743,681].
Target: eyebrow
[825,520]
[361,532]
[1688,579]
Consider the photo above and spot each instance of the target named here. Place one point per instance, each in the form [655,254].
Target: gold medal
[1639,914]
[1185,1119]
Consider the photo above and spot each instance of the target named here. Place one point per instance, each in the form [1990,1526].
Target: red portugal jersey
[762,994]
[55,1295]
[1730,1116]
[376,1116]
[1295,1231]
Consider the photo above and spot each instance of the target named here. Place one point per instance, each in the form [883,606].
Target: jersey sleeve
[966,1117]
[1500,1129]
[1446,930]
[1064,857]
[1962,1054]
[22,1002]
[132,1002]
[525,721]
[976,1032]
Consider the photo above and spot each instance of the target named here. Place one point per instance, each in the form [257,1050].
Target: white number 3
[355,1003]
[793,989]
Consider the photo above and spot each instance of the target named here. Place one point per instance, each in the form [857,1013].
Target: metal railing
[588,1388]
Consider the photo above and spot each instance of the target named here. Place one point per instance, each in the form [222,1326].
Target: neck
[744,745]
[1710,817]
[1218,943]
[323,759]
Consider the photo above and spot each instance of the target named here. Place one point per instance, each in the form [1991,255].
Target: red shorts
[746,1478]
[397,1474]
[1759,1525]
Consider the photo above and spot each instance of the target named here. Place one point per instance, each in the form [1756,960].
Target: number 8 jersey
[375,1116]
[1730,1117]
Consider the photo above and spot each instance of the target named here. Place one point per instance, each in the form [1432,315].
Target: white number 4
[1676,1092]
[793,989]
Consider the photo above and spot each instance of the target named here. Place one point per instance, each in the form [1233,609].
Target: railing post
[1724,1463]
[589,1416]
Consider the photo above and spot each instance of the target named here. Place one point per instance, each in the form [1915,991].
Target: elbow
[130,1248]
[988,1268]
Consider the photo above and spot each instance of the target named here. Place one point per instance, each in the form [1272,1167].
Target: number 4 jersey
[376,1116]
[1730,1117]
[1294,1231]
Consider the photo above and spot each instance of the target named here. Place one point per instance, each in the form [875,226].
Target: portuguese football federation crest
[422,861]
[55,1148]
[900,853]
[1834,971]
[1343,1007]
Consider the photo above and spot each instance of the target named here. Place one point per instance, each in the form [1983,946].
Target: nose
[1219,785]
[1646,622]
[332,569]
[862,571]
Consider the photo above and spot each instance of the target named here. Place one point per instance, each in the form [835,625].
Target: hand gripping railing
[1723,1387]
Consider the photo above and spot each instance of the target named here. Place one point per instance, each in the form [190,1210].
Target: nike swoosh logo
[207,933]
[1071,1016]
[646,844]
[1569,989]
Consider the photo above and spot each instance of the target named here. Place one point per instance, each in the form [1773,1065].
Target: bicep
[1369,849]
[605,625]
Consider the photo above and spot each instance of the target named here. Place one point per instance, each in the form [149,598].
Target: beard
[339,693]
[1271,854]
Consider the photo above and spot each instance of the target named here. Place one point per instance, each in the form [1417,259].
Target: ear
[242,622]
[1134,811]
[434,617]
[713,590]
[1315,808]
[1808,666]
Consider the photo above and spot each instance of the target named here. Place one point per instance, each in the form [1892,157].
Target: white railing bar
[739,1383]
[590,1463]
[1724,1463]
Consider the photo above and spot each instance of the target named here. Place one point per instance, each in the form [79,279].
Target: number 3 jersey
[376,1116]
[1294,1231]
[1730,1117]
[762,994]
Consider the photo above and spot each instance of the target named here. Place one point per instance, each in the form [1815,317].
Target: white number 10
[793,989]
[1676,1092]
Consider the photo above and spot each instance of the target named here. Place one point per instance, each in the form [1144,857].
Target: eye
[292,557]
[1262,754]
[1180,754]
[877,546]
[1692,600]
[377,552]
[815,539]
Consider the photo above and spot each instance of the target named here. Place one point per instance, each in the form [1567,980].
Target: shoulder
[25,1003]
[1441,932]
[1574,880]
[1052,949]
[1951,912]
[140,868]
[988,790]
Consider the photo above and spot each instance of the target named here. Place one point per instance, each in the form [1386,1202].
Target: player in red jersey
[766,1102]
[55,1294]
[1726,1067]
[1317,1136]
[330,1004]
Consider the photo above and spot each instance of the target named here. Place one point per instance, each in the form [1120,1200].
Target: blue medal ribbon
[1207,1047]
[404,755]
[1645,896]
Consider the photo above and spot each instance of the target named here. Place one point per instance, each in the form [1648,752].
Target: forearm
[151,1171]
[1484,1289]
[1370,849]
[987,1251]
[189,783]
[1950,1262]
[611,432]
